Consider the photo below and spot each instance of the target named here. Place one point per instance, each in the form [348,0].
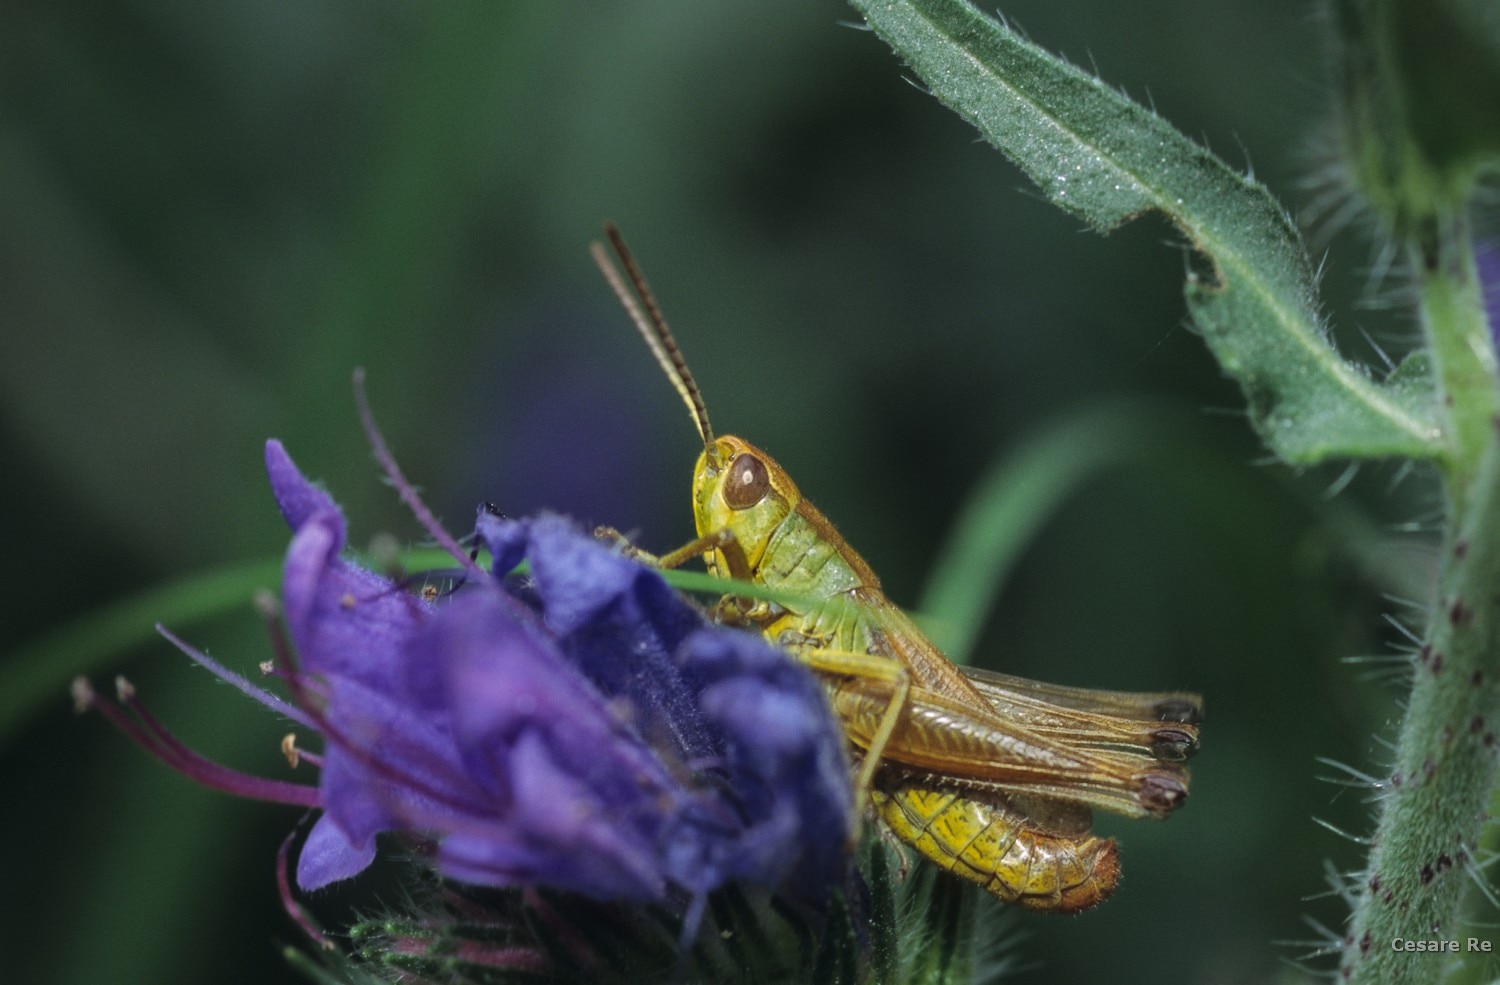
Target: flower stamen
[295,754]
[147,732]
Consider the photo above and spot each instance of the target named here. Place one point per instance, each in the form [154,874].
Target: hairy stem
[1436,802]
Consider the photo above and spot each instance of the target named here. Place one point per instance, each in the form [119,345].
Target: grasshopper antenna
[641,305]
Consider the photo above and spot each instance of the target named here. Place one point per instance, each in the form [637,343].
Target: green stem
[1458,335]
[1437,799]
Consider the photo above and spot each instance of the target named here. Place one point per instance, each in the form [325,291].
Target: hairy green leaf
[1107,159]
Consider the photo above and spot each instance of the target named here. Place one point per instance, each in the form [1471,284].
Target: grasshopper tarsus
[625,546]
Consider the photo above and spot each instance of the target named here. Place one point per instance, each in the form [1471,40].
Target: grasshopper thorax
[740,489]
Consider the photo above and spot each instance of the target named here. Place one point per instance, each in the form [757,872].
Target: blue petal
[585,836]
[786,759]
[607,744]
[1487,259]
[298,498]
[504,538]
[344,619]
[575,576]
[329,856]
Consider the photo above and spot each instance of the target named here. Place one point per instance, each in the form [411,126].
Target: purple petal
[353,798]
[400,758]
[575,576]
[567,832]
[576,775]
[504,538]
[1487,258]
[602,606]
[328,856]
[499,674]
[555,748]
[344,619]
[786,758]
[298,498]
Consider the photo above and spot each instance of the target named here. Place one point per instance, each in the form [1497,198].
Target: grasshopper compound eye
[746,482]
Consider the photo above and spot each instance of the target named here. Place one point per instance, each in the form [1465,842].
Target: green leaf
[837,952]
[884,923]
[1107,159]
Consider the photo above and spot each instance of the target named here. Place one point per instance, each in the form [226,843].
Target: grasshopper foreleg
[624,545]
[722,541]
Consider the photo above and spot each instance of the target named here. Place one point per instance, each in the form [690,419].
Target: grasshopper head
[739,488]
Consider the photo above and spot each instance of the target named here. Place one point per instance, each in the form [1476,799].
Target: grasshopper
[990,776]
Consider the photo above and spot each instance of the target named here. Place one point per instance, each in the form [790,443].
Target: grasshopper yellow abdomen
[994,844]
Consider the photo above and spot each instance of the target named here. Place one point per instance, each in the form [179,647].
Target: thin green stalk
[36,676]
[1014,500]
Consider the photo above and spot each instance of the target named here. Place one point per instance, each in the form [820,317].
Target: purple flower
[584,727]
[1487,259]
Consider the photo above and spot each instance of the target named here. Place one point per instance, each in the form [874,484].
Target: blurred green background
[211,213]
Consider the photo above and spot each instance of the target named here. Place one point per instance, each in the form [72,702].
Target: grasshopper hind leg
[867,667]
